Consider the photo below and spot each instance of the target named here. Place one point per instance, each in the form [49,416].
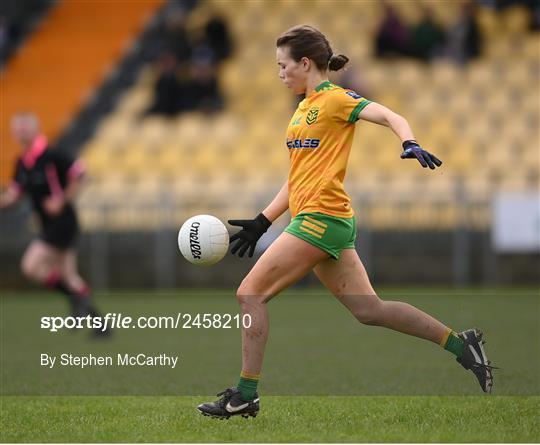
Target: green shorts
[328,233]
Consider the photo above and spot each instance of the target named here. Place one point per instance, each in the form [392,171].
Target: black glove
[252,230]
[411,149]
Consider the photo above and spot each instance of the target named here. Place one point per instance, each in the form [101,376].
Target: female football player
[52,181]
[322,231]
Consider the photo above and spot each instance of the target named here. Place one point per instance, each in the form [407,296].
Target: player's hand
[54,204]
[252,230]
[411,149]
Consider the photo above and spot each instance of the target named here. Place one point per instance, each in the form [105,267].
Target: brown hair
[307,41]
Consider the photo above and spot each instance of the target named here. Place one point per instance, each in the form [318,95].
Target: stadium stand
[481,119]
[55,84]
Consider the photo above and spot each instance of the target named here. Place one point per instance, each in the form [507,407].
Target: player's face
[293,74]
[24,129]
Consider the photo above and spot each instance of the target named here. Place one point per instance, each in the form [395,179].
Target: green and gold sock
[247,385]
[451,342]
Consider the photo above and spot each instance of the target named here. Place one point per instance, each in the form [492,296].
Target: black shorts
[61,232]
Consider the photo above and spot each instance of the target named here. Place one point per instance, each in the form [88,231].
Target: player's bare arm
[279,204]
[55,203]
[382,115]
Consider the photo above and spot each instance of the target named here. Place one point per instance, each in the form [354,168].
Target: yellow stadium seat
[445,75]
[116,130]
[531,47]
[460,103]
[137,162]
[135,100]
[410,74]
[499,48]
[96,158]
[445,13]
[231,80]
[149,190]
[226,128]
[480,74]
[461,160]
[516,19]
[514,183]
[188,130]
[189,183]
[151,132]
[171,162]
[204,160]
[489,22]
[523,76]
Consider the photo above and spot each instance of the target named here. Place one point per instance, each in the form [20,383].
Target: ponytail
[337,62]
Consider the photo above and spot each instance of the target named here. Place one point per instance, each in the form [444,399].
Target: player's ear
[305,63]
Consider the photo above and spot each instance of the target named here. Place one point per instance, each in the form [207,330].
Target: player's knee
[248,294]
[370,313]
[367,318]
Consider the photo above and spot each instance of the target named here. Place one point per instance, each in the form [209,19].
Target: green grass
[326,378]
[283,419]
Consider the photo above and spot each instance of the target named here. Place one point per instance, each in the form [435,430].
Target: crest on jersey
[311,117]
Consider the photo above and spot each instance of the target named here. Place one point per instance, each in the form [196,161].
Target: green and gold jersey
[319,139]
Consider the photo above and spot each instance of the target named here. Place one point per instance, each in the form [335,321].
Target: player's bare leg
[44,264]
[347,279]
[39,261]
[286,261]
[70,273]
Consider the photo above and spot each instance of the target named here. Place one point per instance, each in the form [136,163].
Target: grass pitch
[282,419]
[326,377]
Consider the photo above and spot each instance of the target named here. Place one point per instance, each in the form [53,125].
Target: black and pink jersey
[41,172]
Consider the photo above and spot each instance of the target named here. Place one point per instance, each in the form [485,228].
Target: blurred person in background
[176,39]
[321,234]
[52,181]
[202,91]
[189,66]
[392,36]
[464,40]
[168,93]
[218,38]
[427,37]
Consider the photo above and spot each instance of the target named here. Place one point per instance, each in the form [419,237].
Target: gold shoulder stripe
[314,227]
[314,221]
[316,235]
